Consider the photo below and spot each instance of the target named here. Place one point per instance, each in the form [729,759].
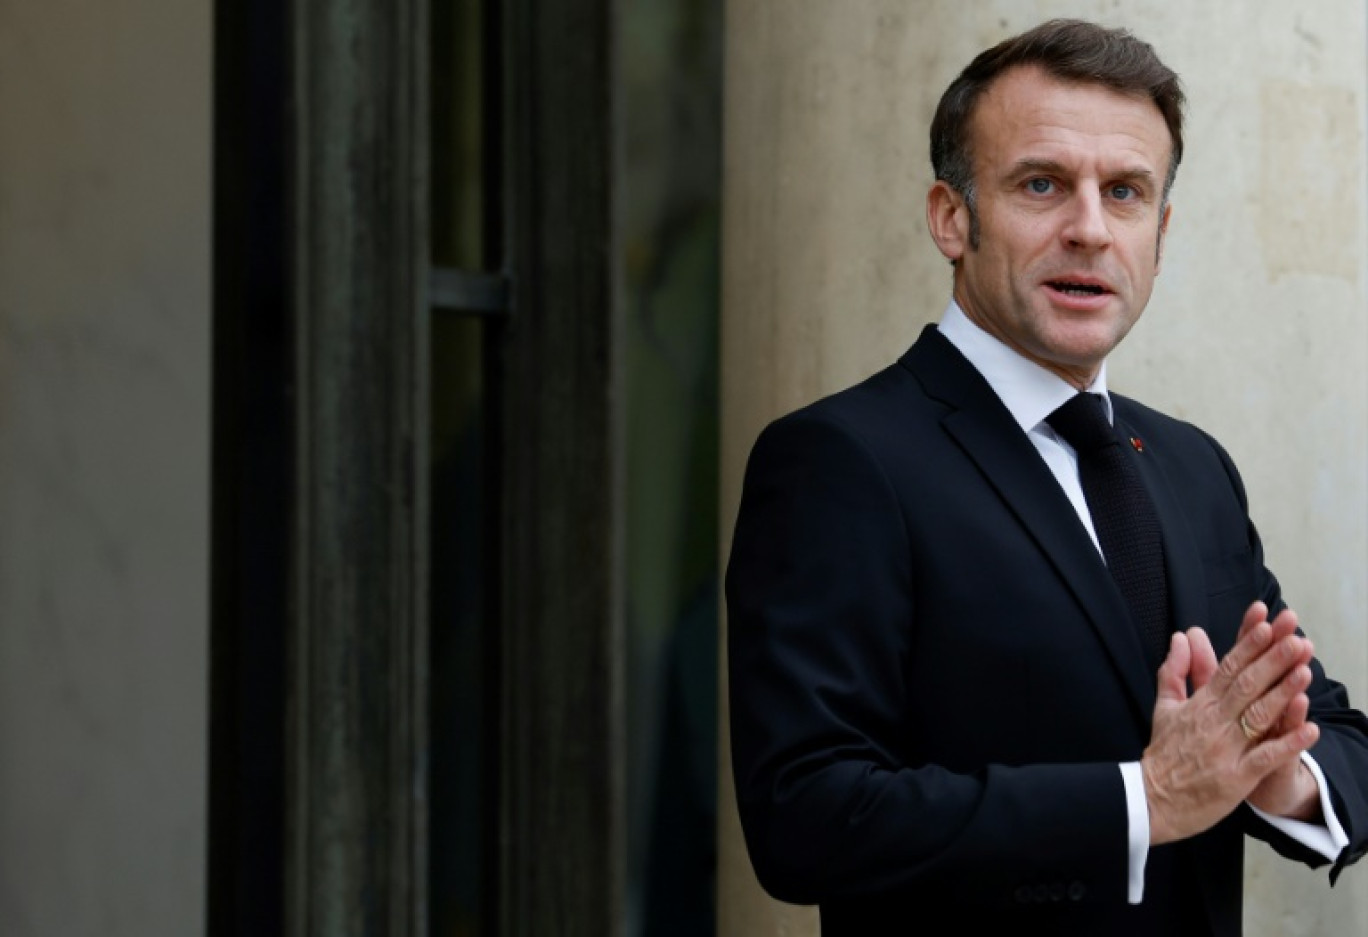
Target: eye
[1040,186]
[1123,192]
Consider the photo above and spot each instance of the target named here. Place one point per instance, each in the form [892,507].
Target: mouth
[1078,287]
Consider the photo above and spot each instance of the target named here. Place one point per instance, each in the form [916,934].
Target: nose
[1086,227]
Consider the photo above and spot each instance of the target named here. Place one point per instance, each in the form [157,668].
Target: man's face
[1069,181]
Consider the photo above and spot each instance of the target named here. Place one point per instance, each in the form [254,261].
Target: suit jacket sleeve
[833,799]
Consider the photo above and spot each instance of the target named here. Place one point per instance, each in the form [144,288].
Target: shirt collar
[1029,392]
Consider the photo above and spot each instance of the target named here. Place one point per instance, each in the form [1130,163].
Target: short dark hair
[1071,51]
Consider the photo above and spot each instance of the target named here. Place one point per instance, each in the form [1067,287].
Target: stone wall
[104,466]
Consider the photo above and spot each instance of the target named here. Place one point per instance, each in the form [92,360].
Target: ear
[948,218]
[1163,231]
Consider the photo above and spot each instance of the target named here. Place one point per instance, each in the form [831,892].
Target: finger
[1294,716]
[1284,624]
[1264,714]
[1308,651]
[1173,673]
[1263,674]
[1203,658]
[1256,613]
[1247,649]
[1273,753]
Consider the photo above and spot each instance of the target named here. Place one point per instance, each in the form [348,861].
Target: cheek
[1142,276]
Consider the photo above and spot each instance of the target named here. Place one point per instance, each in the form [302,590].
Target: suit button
[1077,890]
[1022,895]
[1057,891]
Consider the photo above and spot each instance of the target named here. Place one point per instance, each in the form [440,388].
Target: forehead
[1027,114]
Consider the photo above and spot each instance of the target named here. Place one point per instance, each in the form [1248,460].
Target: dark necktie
[1123,515]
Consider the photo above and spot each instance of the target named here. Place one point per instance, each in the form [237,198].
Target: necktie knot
[1082,421]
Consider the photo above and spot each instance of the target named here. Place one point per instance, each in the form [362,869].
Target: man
[1006,651]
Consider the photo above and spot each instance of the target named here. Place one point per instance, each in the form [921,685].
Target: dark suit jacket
[933,676]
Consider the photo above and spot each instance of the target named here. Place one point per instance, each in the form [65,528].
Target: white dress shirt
[1031,394]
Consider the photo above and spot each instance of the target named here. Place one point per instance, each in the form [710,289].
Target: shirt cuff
[1138,827]
[1329,839]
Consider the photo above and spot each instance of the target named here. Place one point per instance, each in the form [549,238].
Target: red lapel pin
[1138,443]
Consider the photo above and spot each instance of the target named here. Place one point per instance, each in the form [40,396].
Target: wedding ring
[1247,729]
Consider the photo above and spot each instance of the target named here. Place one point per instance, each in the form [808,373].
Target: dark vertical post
[318,710]
[252,471]
[556,367]
[356,794]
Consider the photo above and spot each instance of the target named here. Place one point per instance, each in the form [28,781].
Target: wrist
[1159,832]
[1295,797]
[1308,806]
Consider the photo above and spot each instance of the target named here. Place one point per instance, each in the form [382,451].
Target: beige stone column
[105,186]
[1256,330]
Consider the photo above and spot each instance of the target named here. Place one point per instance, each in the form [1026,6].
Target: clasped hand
[1201,761]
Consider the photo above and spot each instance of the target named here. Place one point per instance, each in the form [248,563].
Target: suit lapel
[1187,584]
[985,430]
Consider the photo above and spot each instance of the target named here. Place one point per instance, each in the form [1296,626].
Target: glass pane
[669,191]
[458,135]
[460,793]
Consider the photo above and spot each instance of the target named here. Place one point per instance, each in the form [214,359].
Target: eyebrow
[1030,166]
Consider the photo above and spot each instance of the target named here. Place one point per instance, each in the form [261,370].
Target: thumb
[1173,674]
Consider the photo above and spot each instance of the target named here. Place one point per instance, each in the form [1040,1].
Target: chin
[1079,355]
[1089,344]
